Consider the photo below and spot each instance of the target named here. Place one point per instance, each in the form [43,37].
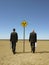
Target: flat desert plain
[40,57]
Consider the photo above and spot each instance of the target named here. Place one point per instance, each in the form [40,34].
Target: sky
[34,12]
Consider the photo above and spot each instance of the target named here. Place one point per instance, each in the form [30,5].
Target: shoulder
[16,33]
[35,33]
[11,32]
[31,34]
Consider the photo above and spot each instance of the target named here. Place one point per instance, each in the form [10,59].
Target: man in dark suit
[13,39]
[32,40]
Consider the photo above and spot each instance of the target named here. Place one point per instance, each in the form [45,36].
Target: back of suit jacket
[14,37]
[33,37]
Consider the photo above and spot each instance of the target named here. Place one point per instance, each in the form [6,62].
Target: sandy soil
[40,57]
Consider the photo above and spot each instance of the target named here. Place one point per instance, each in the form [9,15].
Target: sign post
[24,24]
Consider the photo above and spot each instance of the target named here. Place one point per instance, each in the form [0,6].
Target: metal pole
[24,40]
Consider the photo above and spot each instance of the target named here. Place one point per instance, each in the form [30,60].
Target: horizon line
[28,39]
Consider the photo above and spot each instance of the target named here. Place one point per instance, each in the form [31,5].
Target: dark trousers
[33,47]
[13,47]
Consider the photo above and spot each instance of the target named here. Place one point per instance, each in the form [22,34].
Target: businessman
[32,40]
[14,40]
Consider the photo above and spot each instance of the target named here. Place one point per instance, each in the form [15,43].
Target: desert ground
[40,57]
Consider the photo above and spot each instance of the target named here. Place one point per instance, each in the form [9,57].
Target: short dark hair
[13,29]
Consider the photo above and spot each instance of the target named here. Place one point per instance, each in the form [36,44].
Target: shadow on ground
[42,52]
[32,52]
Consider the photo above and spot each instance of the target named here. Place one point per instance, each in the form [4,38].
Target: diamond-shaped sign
[24,23]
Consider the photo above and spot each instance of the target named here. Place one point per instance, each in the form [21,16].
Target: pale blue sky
[35,12]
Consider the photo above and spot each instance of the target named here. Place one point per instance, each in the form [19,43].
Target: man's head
[13,29]
[33,30]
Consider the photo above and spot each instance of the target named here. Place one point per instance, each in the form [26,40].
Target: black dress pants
[13,47]
[33,47]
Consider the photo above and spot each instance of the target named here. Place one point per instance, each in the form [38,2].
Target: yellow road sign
[24,23]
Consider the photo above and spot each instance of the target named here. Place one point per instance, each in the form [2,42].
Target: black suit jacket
[14,37]
[33,37]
